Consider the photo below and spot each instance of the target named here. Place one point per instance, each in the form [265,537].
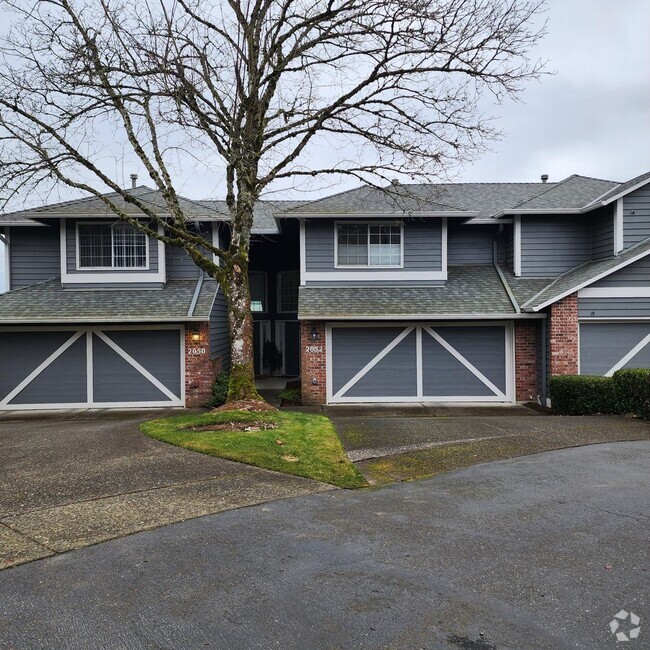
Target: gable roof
[623,188]
[584,275]
[49,302]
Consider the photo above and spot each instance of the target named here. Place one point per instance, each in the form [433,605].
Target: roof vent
[395,181]
[134,181]
[544,178]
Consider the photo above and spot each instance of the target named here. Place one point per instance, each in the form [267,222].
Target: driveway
[393,444]
[535,552]
[73,479]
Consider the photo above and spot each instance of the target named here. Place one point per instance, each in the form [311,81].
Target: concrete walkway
[536,552]
[74,479]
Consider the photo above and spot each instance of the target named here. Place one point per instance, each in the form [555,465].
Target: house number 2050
[196,351]
[314,348]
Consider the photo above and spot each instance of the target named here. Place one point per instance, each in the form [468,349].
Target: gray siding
[603,345]
[422,246]
[636,216]
[179,265]
[219,336]
[551,245]
[470,244]
[603,233]
[632,275]
[71,255]
[613,307]
[34,255]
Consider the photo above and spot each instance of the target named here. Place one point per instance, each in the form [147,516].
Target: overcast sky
[592,117]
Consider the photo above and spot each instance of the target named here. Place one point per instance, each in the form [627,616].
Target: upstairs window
[111,246]
[288,283]
[257,283]
[369,244]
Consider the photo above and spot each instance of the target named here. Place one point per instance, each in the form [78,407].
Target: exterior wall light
[314,334]
[195,336]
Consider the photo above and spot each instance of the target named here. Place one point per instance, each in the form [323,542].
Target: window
[288,282]
[112,246]
[257,282]
[369,244]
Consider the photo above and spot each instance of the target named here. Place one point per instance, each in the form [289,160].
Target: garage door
[423,362]
[91,367]
[608,347]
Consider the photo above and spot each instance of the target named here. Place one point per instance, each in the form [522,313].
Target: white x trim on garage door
[403,363]
[90,367]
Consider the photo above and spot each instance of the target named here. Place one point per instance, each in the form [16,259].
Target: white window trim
[614,292]
[278,292]
[7,259]
[216,242]
[117,276]
[78,332]
[516,245]
[78,266]
[266,291]
[303,253]
[619,236]
[507,396]
[368,224]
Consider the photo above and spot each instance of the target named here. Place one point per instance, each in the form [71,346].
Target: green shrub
[583,394]
[219,389]
[633,390]
[292,395]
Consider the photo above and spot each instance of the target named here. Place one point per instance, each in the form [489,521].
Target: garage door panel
[116,380]
[394,375]
[62,382]
[355,347]
[22,352]
[445,376]
[157,351]
[483,347]
[603,345]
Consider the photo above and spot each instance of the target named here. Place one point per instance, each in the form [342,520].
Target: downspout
[502,277]
[544,361]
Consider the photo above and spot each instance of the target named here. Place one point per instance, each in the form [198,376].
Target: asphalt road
[535,552]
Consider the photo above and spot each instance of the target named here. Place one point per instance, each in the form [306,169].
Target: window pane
[257,283]
[288,282]
[352,244]
[385,245]
[95,245]
[129,247]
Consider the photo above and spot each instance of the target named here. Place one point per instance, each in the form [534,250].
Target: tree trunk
[242,368]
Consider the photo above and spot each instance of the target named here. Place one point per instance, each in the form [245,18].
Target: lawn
[301,444]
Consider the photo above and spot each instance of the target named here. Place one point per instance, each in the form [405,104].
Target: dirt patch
[235,426]
[250,406]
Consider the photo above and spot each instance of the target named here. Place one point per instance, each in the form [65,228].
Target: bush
[633,389]
[583,395]
[219,389]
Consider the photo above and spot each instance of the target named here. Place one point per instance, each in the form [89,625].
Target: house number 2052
[314,348]
[196,351]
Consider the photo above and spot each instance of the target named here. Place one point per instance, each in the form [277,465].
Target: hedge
[628,391]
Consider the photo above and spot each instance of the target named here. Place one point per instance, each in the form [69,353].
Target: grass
[310,446]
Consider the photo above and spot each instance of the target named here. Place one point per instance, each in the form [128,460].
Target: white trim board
[516,245]
[355,274]
[614,292]
[619,233]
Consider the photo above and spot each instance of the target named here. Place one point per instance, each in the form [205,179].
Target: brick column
[200,370]
[526,360]
[563,339]
[313,362]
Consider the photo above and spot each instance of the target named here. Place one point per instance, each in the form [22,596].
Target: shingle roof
[524,289]
[263,213]
[622,188]
[469,290]
[583,275]
[48,302]
[477,200]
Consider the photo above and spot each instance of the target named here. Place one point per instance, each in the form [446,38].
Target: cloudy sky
[591,117]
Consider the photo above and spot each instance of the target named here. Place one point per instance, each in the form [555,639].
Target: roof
[623,188]
[263,213]
[523,289]
[585,274]
[48,302]
[469,290]
[478,201]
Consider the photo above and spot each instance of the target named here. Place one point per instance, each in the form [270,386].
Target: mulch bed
[235,426]
[250,406]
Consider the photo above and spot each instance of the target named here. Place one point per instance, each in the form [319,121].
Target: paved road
[535,552]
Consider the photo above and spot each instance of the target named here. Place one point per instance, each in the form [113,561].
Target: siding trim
[614,292]
[303,253]
[216,242]
[443,252]
[7,259]
[619,237]
[333,276]
[516,245]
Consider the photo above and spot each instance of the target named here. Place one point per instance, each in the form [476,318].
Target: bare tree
[264,85]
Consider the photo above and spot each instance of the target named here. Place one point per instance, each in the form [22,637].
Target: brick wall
[526,360]
[200,370]
[313,362]
[563,336]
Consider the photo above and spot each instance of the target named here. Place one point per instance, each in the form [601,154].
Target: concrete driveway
[535,552]
[393,444]
[73,479]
